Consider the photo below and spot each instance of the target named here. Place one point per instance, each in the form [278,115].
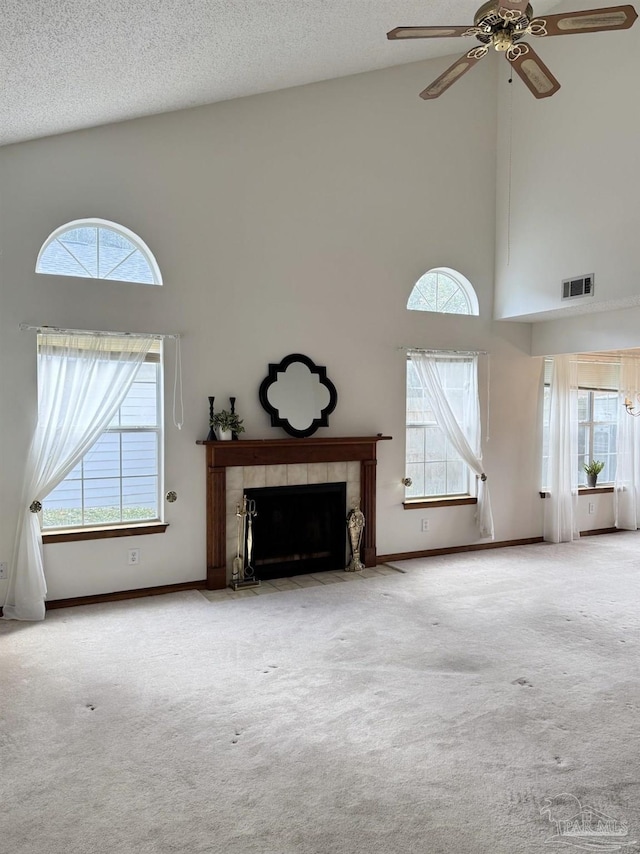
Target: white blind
[597,373]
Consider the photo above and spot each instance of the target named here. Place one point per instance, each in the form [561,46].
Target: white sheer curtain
[465,434]
[82,380]
[561,503]
[627,482]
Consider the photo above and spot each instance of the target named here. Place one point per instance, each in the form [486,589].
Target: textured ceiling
[69,64]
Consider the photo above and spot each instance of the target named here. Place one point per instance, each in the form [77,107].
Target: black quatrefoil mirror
[298,395]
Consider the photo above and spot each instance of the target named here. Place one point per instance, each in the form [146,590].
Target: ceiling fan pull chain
[510,109]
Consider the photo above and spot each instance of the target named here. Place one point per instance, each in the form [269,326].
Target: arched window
[98,249]
[444,291]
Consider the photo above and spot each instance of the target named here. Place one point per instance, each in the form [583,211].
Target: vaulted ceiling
[70,64]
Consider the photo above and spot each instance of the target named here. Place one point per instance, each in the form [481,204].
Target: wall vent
[580,286]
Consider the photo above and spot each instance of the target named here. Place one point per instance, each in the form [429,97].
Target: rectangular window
[598,407]
[434,466]
[119,479]
[597,432]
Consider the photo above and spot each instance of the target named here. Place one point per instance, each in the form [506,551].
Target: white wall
[573,205]
[296,221]
[596,512]
[610,330]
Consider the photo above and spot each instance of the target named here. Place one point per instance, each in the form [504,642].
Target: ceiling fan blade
[534,73]
[587,21]
[430,32]
[454,72]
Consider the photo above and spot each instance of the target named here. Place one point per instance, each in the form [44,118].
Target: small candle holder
[232,404]
[212,433]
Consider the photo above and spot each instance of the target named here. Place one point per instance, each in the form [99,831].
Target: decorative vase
[225,435]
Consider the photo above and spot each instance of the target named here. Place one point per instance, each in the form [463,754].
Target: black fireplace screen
[298,529]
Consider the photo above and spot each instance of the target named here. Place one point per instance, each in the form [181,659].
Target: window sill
[586,490]
[423,503]
[594,490]
[76,534]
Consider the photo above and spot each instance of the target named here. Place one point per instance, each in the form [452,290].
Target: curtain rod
[57,329]
[445,352]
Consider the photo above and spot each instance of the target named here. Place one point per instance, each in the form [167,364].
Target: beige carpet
[434,710]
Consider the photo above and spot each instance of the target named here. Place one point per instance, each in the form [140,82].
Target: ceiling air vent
[581,286]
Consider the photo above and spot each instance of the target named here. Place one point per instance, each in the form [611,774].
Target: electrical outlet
[592,507]
[425,526]
[134,557]
[4,570]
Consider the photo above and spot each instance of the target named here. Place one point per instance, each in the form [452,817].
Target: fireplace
[234,467]
[298,529]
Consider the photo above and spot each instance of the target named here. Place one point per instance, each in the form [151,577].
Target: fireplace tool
[237,566]
[249,571]
[243,573]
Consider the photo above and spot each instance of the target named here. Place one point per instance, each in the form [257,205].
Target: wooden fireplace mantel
[266,452]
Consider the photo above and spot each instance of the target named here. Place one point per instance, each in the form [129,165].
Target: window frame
[107,225]
[594,383]
[102,530]
[435,499]
[463,285]
[589,424]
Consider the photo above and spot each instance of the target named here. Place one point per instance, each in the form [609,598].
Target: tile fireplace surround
[233,467]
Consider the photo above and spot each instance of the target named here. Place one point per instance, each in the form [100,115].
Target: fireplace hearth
[298,529]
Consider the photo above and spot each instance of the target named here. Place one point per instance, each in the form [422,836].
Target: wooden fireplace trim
[267,452]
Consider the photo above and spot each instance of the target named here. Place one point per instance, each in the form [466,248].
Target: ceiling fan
[503,23]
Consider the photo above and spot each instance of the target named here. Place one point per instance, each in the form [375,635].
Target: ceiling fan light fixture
[502,40]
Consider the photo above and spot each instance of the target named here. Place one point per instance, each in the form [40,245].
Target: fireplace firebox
[298,529]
